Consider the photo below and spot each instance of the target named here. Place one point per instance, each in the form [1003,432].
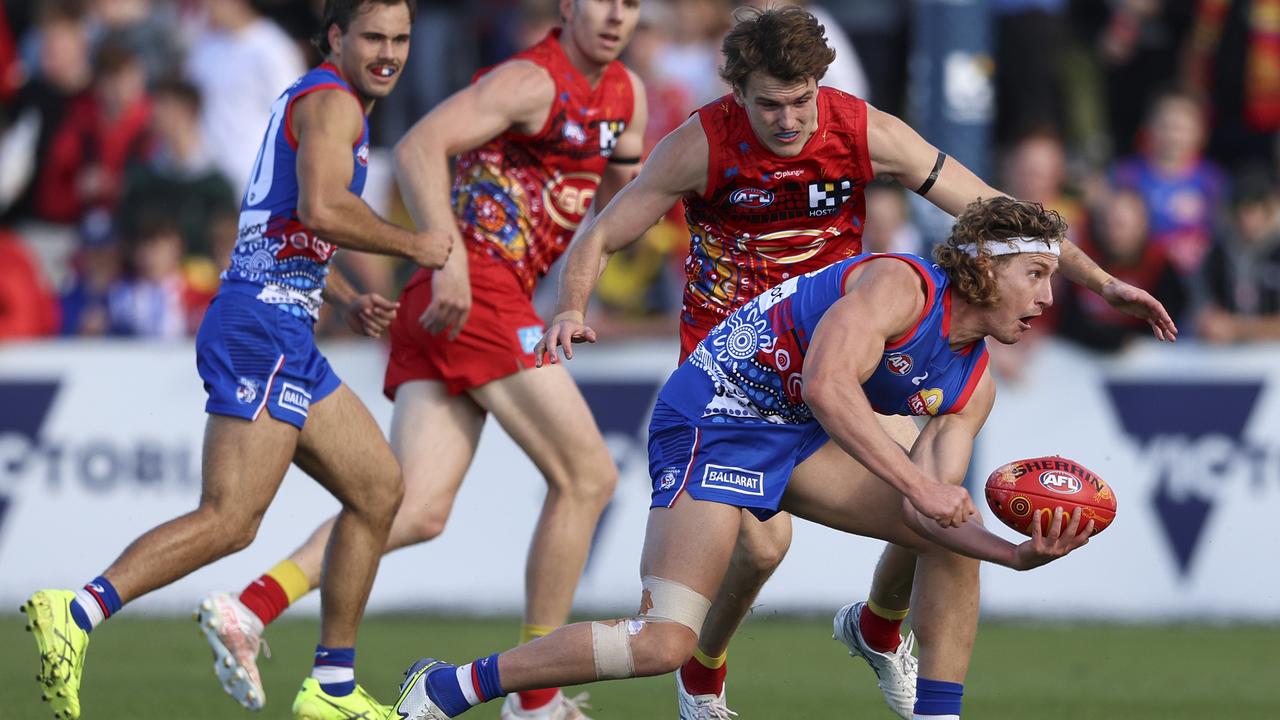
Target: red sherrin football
[1022,488]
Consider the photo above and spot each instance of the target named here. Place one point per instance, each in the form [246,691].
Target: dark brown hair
[341,13]
[997,218]
[787,43]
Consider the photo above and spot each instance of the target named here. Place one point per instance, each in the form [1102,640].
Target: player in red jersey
[772,178]
[536,138]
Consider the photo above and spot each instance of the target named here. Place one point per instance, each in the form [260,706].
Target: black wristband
[625,161]
[933,176]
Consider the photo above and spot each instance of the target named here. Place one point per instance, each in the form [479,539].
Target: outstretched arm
[900,152]
[327,124]
[678,165]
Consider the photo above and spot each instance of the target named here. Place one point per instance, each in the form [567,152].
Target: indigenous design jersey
[750,368]
[764,218]
[275,257]
[518,198]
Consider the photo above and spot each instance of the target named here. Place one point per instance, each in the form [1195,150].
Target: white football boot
[896,671]
[235,635]
[561,707]
[414,702]
[702,707]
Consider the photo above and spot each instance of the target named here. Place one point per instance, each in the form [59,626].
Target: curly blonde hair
[985,220]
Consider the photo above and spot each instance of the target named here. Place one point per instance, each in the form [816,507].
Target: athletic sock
[468,686]
[534,699]
[703,674]
[95,602]
[937,700]
[881,628]
[335,670]
[274,592]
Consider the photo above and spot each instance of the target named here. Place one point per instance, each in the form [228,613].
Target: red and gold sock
[274,592]
[703,674]
[881,627]
[534,699]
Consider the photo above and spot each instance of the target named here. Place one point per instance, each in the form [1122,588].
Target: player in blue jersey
[744,423]
[273,399]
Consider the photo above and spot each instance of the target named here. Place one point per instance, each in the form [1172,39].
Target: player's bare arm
[366,314]
[849,342]
[900,152]
[327,124]
[678,165]
[516,95]
[624,164]
[943,451]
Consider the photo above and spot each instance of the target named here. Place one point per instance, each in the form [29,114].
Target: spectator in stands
[888,225]
[1242,272]
[1122,246]
[1183,190]
[693,56]
[241,62]
[95,267]
[28,309]
[1035,169]
[60,78]
[180,181]
[147,27]
[156,299]
[102,133]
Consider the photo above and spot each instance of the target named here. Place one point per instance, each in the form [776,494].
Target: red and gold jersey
[518,198]
[764,218]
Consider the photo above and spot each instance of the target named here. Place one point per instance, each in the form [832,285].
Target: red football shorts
[496,341]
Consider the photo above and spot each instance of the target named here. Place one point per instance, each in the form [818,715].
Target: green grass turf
[781,667]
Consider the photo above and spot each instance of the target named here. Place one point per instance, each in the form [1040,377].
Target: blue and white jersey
[275,258]
[750,368]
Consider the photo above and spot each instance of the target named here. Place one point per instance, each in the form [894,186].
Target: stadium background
[118,193]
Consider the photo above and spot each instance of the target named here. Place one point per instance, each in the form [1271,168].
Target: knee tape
[671,601]
[611,648]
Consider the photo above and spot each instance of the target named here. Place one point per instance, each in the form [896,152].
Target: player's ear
[335,39]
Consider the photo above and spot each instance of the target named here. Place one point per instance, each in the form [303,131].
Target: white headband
[1013,245]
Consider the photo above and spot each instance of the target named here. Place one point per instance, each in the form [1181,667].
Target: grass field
[780,667]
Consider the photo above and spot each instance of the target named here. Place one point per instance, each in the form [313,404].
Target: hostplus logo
[1191,438]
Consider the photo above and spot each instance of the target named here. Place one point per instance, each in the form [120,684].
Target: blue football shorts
[254,357]
[746,465]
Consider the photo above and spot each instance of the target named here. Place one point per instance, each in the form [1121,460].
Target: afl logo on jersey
[898,363]
[574,133]
[751,198]
[362,155]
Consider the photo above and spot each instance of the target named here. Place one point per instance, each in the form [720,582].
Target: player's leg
[678,585]
[832,489]
[546,415]
[244,462]
[343,449]
[758,552]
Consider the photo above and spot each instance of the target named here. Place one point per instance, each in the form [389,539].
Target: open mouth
[384,70]
[610,38]
[1024,322]
[787,136]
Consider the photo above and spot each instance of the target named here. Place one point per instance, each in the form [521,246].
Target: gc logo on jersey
[609,132]
[826,196]
[898,363]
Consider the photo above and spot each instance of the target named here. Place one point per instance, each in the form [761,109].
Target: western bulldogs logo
[246,391]
[362,155]
[751,198]
[898,364]
[668,478]
[1061,483]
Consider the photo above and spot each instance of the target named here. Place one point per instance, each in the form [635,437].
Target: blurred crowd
[129,128]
